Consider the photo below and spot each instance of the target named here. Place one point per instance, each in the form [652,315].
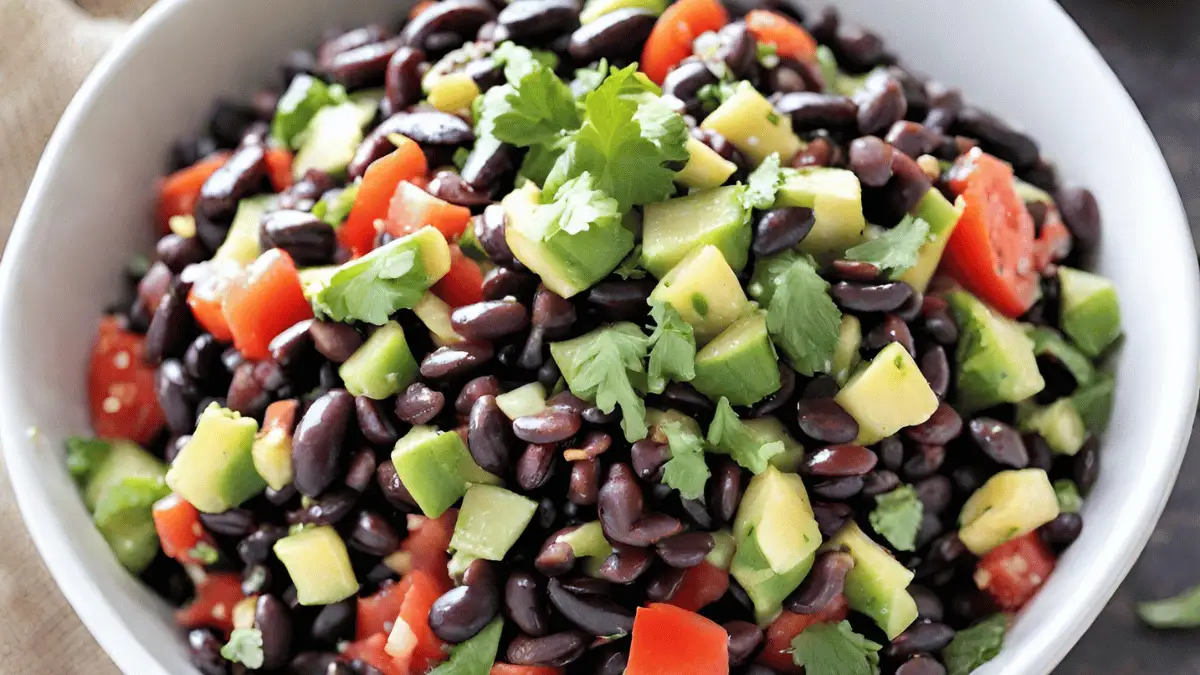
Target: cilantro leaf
[686,470]
[541,159]
[729,435]
[897,517]
[85,455]
[576,208]
[534,110]
[588,79]
[835,649]
[631,266]
[802,318]
[896,249]
[763,183]
[975,646]
[1067,495]
[663,126]
[375,286]
[245,646]
[602,367]
[1181,611]
[518,61]
[474,656]
[711,96]
[334,206]
[672,348]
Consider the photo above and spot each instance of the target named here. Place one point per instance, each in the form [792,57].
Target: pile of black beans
[572,458]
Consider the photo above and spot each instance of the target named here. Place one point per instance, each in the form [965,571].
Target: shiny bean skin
[908,185]
[997,137]
[335,341]
[392,487]
[246,395]
[837,489]
[331,508]
[460,16]
[823,584]
[820,152]
[597,616]
[485,165]
[204,652]
[721,146]
[999,441]
[839,461]
[492,319]
[648,457]
[942,427]
[454,360]
[1062,531]
[360,470]
[738,49]
[402,79]
[525,604]
[892,329]
[255,548]
[274,622]
[935,493]
[685,81]
[462,612]
[613,35]
[854,270]
[450,187]
[489,435]
[177,396]
[780,229]
[912,138]
[292,345]
[552,651]
[318,663]
[1086,466]
[548,426]
[418,404]
[744,639]
[334,622]
[585,482]
[374,422]
[503,282]
[724,492]
[824,420]
[622,300]
[925,462]
[921,665]
[426,127]
[929,606]
[306,238]
[664,584]
[871,160]
[625,564]
[922,636]
[812,110]
[685,550]
[882,297]
[891,452]
[471,391]
[831,517]
[620,508]
[550,310]
[231,523]
[373,535]
[944,106]
[879,481]
[154,285]
[172,328]
[535,465]
[881,104]
[1081,214]
[236,178]
[178,252]
[535,17]
[936,369]
[317,442]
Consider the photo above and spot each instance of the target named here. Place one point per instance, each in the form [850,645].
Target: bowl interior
[88,208]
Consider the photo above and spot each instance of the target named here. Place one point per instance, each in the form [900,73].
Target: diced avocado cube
[835,196]
[241,242]
[776,513]
[490,521]
[297,106]
[1048,342]
[382,366]
[771,430]
[123,517]
[705,168]
[1059,423]
[1091,315]
[723,549]
[529,399]
[705,292]
[739,364]
[318,564]
[435,314]
[1008,505]
[453,92]
[890,393]
[588,541]
[995,357]
[656,417]
[594,9]
[330,140]
[99,465]
[215,469]
[766,588]
[334,206]
[1094,402]
[436,467]
[845,355]
[566,262]
[877,584]
[749,121]
[942,217]
[314,279]
[676,227]
[272,455]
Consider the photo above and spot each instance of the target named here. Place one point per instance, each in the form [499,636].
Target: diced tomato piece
[212,281]
[427,542]
[790,39]
[375,193]
[1053,243]
[179,192]
[702,585]
[1013,572]
[509,669]
[121,394]
[279,168]
[414,612]
[463,284]
[377,613]
[777,653]
[671,39]
[370,650]
[412,208]
[991,252]
[668,640]
[213,604]
[179,529]
[263,302]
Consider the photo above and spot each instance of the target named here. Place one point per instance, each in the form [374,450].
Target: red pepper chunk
[213,605]
[121,394]
[371,650]
[412,208]
[377,612]
[1013,572]
[263,302]
[463,283]
[375,193]
[668,640]
[702,585]
[179,192]
[777,653]
[671,39]
[790,39]
[179,530]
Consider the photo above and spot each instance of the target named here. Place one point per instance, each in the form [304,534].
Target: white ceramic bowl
[86,213]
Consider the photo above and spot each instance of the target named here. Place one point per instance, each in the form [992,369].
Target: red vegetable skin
[179,530]
[671,39]
[426,544]
[179,192]
[668,640]
[121,386]
[1053,243]
[790,39]
[463,284]
[208,294]
[266,300]
[777,653]
[509,669]
[702,585]
[213,604]
[991,252]
[1013,572]
[379,182]
[412,208]
[377,612]
[370,650]
[279,168]
[414,611]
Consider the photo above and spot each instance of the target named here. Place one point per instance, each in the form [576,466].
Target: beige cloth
[47,47]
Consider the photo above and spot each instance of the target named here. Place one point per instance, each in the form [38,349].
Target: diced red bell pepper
[370,650]
[264,301]
[179,192]
[1053,243]
[668,640]
[777,653]
[991,251]
[377,612]
[212,281]
[702,585]
[509,669]
[213,604]
[671,39]
[121,394]
[379,182]
[790,39]
[426,544]
[179,529]
[414,611]
[412,208]
[463,284]
[1013,572]
[279,168]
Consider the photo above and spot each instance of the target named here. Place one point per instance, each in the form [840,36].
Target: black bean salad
[540,339]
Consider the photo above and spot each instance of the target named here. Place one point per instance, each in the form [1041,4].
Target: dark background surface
[1154,47]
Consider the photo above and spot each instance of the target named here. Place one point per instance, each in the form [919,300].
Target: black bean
[292,345]
[664,583]
[317,443]
[363,66]
[923,636]
[331,508]
[839,461]
[204,652]
[823,584]
[489,232]
[620,508]
[281,496]
[308,239]
[938,321]
[375,423]
[936,369]
[274,623]
[1086,466]
[880,481]
[504,282]
[891,452]
[552,651]
[486,163]
[1062,531]
[460,613]
[685,81]
[231,523]
[721,146]
[781,229]
[824,420]
[648,457]
[402,79]
[178,252]
[912,138]
[550,425]
[450,187]
[352,39]
[425,127]
[318,663]
[525,604]
[489,320]
[615,34]
[537,17]
[597,616]
[858,49]
[535,465]
[685,550]
[177,396]
[458,359]
[1040,455]
[622,300]
[1081,214]
[335,341]
[883,297]
[392,487]
[372,535]
[944,105]
[925,462]
[880,102]
[360,470]
[908,185]
[871,160]
[154,286]
[584,487]
[744,639]
[238,177]
[929,606]
[551,311]
[418,404]
[831,517]
[724,492]
[911,309]
[997,137]
[229,122]
[923,664]
[471,391]
[335,622]
[463,17]
[891,329]
[935,493]
[854,270]
[255,548]
[943,426]
[172,328]
[836,489]
[999,441]
[625,564]
[812,110]
[489,435]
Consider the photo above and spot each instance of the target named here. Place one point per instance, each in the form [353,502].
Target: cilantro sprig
[245,646]
[476,655]
[686,471]
[975,646]
[672,348]
[727,433]
[802,318]
[835,649]
[897,517]
[373,287]
[763,183]
[896,250]
[602,366]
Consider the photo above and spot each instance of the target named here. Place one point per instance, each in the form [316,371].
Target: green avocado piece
[334,206]
[594,9]
[529,399]
[241,242]
[437,468]
[318,565]
[1091,315]
[490,521]
[705,291]
[846,356]
[942,217]
[770,430]
[1095,401]
[739,364]
[723,549]
[1059,423]
[835,196]
[676,227]
[330,139]
[98,465]
[877,584]
[567,263]
[995,358]
[435,314]
[749,121]
[705,168]
[1008,505]
[382,366]
[890,393]
[299,104]
[1048,342]
[776,513]
[123,516]
[272,455]
[588,541]
[215,469]
[766,588]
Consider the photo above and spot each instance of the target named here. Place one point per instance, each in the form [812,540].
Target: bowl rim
[127,649]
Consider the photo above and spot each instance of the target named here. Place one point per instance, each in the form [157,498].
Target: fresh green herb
[711,96]
[672,349]
[631,266]
[835,649]
[518,61]
[763,183]
[334,206]
[540,160]
[577,208]
[686,470]
[460,158]
[605,365]
[245,646]
[975,646]
[474,656]
[299,104]
[1181,611]
[827,64]
[588,79]
[767,54]
[85,455]
[897,517]
[896,249]
[1068,497]
[373,287]
[534,110]
[729,435]
[801,316]
[204,552]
